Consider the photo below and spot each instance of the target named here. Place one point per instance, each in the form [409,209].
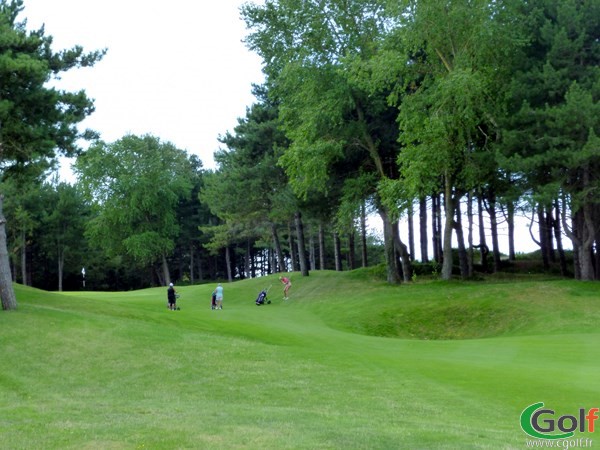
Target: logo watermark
[552,431]
[564,444]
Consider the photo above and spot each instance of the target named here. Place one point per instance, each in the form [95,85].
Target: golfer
[171,297]
[287,284]
[219,296]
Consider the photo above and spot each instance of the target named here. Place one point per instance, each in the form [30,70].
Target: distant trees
[64,227]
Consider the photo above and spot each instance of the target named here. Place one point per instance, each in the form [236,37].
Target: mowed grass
[348,362]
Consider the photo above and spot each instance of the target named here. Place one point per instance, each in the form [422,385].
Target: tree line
[479,104]
[432,111]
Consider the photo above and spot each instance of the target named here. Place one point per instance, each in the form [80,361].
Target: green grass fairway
[348,362]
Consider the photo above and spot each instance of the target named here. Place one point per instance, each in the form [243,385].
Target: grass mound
[437,310]
[444,322]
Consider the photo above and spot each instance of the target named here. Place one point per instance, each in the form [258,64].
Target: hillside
[347,362]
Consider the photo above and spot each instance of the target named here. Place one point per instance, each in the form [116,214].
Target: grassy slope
[349,362]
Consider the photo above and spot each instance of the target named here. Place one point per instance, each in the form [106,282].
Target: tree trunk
[363,234]
[449,225]
[405,268]
[13,269]
[61,265]
[199,263]
[470,233]
[439,228]
[558,237]
[483,247]
[292,248]
[337,251]
[543,234]
[301,245]
[312,252]
[351,250]
[436,229]
[423,229]
[589,234]
[278,251]
[393,276]
[582,235]
[321,246]
[576,263]
[192,268]
[549,230]
[462,252]
[24,258]
[510,218]
[434,213]
[165,270]
[574,233]
[228,263]
[575,236]
[491,210]
[587,261]
[248,260]
[411,233]
[7,293]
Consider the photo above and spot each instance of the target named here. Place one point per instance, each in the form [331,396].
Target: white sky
[177,70]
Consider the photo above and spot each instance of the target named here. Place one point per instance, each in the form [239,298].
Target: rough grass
[348,362]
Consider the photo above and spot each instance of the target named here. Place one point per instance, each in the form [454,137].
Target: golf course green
[348,362]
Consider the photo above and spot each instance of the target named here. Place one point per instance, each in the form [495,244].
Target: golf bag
[262,298]
[213,303]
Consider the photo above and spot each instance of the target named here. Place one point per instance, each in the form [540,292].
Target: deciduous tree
[135,185]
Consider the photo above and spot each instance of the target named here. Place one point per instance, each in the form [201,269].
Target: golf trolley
[262,297]
[175,307]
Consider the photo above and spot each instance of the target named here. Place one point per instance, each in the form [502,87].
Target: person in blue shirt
[219,296]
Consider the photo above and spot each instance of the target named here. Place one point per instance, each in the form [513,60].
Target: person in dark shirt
[171,297]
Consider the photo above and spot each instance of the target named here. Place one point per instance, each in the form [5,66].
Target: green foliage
[444,114]
[554,97]
[135,185]
[36,120]
[249,191]
[314,49]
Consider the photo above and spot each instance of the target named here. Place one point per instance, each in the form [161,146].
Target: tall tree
[36,120]
[449,101]
[135,185]
[249,189]
[191,214]
[553,123]
[315,53]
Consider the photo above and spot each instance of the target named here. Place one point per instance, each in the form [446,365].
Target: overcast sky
[177,70]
